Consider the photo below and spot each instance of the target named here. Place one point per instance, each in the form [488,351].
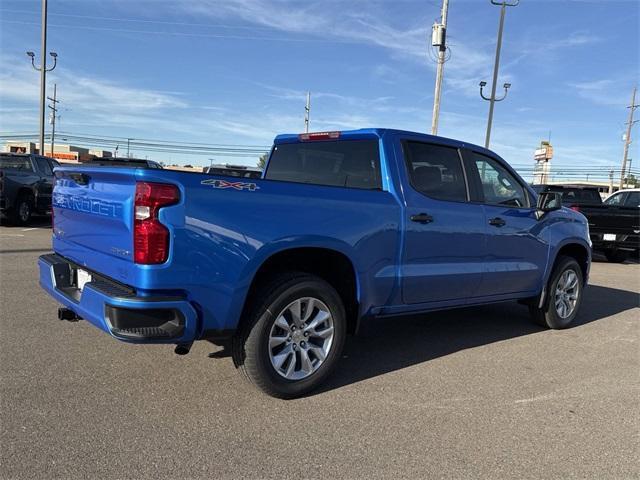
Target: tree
[631,180]
[262,161]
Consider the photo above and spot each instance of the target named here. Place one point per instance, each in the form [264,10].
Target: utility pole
[627,140]
[439,39]
[128,143]
[54,114]
[43,71]
[307,111]
[496,65]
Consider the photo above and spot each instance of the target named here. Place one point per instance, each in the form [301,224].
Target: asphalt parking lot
[475,393]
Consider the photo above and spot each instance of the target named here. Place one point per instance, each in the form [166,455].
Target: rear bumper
[622,242]
[117,309]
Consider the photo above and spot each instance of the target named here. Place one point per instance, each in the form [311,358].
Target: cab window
[615,199]
[44,166]
[436,171]
[632,200]
[499,186]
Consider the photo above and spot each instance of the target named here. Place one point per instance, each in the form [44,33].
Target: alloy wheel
[301,338]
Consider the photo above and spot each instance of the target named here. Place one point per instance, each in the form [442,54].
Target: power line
[136,20]
[186,34]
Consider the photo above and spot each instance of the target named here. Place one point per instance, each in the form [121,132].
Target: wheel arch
[578,251]
[24,191]
[332,265]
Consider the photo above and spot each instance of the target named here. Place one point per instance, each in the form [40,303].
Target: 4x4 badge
[226,184]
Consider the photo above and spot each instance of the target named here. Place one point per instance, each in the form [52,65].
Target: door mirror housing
[549,201]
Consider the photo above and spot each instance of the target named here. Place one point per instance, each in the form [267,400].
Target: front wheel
[563,295]
[293,336]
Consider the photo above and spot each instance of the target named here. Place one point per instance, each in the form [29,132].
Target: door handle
[497,222]
[422,218]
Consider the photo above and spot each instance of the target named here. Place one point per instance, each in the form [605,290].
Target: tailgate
[612,219]
[93,218]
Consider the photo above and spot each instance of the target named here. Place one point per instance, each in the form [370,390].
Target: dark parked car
[614,224]
[26,184]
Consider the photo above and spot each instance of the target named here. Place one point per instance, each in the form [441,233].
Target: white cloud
[606,92]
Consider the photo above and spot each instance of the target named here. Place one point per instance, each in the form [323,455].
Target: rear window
[16,163]
[345,163]
[580,195]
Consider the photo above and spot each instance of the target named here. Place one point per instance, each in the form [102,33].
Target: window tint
[615,199]
[632,200]
[581,195]
[346,163]
[15,162]
[44,166]
[436,171]
[498,185]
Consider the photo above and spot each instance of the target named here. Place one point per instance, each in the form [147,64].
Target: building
[61,152]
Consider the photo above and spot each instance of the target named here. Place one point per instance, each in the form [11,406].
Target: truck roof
[376,132]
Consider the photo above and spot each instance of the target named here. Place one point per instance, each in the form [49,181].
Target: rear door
[516,252]
[444,232]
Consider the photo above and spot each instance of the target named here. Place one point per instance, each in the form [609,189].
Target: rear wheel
[293,337]
[23,210]
[563,295]
[616,256]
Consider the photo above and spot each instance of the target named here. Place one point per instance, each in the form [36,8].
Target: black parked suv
[26,185]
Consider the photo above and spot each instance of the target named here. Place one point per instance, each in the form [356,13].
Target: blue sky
[236,71]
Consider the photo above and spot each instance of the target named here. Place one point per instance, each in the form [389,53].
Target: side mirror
[549,201]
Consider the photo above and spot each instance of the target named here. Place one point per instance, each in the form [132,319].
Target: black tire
[250,348]
[547,315]
[23,210]
[616,256]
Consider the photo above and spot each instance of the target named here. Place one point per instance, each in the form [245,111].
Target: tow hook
[183,348]
[68,315]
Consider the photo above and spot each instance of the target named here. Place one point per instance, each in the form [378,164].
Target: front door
[445,233]
[516,246]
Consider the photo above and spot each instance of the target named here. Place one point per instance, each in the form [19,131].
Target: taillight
[575,208]
[305,137]
[150,237]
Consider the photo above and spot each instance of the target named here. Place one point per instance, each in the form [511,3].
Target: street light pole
[43,72]
[504,4]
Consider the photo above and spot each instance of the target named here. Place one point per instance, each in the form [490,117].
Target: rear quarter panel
[226,234]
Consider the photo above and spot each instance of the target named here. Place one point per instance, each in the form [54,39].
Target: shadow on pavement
[35,222]
[386,345]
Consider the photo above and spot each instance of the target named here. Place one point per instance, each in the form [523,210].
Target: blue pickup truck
[343,226]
